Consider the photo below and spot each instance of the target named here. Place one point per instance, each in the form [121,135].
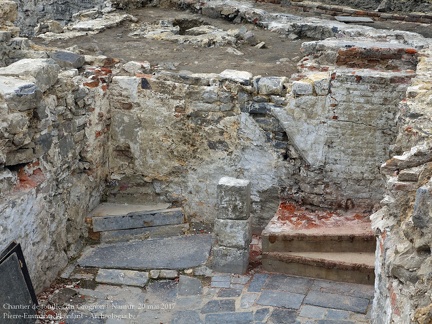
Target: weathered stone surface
[154,274]
[168,274]
[422,208]
[288,300]
[233,198]
[301,88]
[159,141]
[280,315]
[50,26]
[231,260]
[144,233]
[271,85]
[19,94]
[8,12]
[122,277]
[219,306]
[138,219]
[68,59]
[189,286]
[169,253]
[186,317]
[136,67]
[353,304]
[46,10]
[201,36]
[402,225]
[243,317]
[233,233]
[350,19]
[43,72]
[242,77]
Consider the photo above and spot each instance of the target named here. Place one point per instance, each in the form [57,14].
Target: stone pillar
[232,227]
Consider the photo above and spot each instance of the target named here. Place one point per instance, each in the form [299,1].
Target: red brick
[411,51]
[91,84]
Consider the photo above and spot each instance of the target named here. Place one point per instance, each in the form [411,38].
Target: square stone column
[232,227]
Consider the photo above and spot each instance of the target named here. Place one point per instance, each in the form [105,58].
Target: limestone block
[321,83]
[203,271]
[136,67]
[100,24]
[7,180]
[5,36]
[17,123]
[154,274]
[233,233]
[20,43]
[8,11]
[20,95]
[242,77]
[422,207]
[23,155]
[210,95]
[417,156]
[302,88]
[233,198]
[122,277]
[230,260]
[413,174]
[42,72]
[168,274]
[51,26]
[68,59]
[271,85]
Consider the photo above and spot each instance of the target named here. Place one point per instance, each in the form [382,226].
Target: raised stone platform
[321,244]
[294,229]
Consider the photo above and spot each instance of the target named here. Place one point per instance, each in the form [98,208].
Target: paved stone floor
[217,298]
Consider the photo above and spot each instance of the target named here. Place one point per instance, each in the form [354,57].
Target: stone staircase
[327,245]
[113,222]
[142,238]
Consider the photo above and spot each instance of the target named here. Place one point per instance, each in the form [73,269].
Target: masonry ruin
[348,131]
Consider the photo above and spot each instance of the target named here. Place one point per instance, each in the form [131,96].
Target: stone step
[114,217]
[346,266]
[321,239]
[295,229]
[144,233]
[182,252]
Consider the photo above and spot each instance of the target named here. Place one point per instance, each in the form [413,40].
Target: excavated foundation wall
[403,225]
[52,157]
[31,13]
[317,138]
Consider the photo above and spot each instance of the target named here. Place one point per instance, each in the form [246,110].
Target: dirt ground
[278,58]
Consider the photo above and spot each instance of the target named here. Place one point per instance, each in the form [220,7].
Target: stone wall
[318,138]
[53,126]
[403,226]
[341,117]
[173,136]
[32,12]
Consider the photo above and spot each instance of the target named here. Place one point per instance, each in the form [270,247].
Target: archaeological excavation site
[215,161]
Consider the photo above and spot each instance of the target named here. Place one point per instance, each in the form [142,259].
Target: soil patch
[279,56]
